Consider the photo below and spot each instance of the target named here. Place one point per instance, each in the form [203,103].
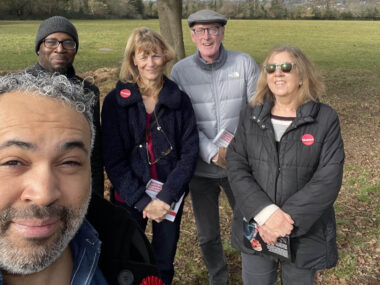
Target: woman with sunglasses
[285,166]
[149,134]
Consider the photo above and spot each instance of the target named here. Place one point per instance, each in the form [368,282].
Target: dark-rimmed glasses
[66,44]
[285,67]
[163,153]
[212,31]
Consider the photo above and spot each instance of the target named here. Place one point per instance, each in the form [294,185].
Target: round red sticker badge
[125,93]
[307,139]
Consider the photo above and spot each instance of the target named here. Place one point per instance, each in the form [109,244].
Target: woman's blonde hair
[311,88]
[143,40]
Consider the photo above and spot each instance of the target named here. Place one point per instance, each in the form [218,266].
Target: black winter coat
[124,151]
[126,256]
[97,174]
[303,178]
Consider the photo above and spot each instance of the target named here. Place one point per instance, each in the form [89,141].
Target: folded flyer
[253,241]
[153,188]
[223,138]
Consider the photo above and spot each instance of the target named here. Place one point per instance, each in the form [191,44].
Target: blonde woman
[149,132]
[285,166]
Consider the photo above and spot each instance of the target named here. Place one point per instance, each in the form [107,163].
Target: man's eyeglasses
[285,67]
[66,44]
[163,153]
[212,31]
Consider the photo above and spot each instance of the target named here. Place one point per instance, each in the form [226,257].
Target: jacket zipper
[278,170]
[271,130]
[216,100]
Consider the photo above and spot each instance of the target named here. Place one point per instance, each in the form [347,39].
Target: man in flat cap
[219,83]
[56,45]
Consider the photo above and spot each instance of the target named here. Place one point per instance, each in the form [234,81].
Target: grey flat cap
[206,16]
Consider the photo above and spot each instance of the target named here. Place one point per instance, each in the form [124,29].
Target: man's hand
[156,210]
[278,225]
[219,159]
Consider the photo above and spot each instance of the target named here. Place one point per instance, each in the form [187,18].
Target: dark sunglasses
[285,67]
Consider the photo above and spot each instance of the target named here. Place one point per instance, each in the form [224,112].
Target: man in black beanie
[56,46]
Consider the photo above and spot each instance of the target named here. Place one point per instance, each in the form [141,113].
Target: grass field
[348,55]
[352,45]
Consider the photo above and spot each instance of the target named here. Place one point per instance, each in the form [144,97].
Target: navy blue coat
[124,154]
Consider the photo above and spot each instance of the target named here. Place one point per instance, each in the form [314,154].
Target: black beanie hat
[55,24]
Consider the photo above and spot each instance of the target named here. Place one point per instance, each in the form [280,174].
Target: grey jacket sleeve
[207,149]
[252,76]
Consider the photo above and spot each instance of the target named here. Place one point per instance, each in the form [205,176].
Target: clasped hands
[156,210]
[278,225]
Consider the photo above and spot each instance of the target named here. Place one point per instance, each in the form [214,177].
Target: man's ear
[222,31]
[192,36]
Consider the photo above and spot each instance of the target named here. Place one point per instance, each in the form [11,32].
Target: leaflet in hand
[223,138]
[153,188]
[252,240]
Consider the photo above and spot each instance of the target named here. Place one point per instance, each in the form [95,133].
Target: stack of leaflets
[223,138]
[153,188]
[252,240]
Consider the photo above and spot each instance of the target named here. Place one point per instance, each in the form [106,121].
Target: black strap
[151,126]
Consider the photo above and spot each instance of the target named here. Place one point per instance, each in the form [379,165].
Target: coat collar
[128,94]
[213,65]
[306,113]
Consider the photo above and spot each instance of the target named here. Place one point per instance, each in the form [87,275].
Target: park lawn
[347,54]
[352,45]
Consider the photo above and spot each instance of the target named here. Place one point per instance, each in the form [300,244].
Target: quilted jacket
[303,177]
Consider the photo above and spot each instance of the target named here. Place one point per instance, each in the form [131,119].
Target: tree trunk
[169,15]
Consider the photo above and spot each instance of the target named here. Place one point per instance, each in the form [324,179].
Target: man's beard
[60,70]
[40,253]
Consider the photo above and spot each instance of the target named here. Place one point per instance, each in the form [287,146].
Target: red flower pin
[152,280]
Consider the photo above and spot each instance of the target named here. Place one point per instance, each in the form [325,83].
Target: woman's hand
[278,225]
[156,210]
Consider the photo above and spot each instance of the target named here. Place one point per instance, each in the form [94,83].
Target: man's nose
[60,47]
[206,34]
[41,186]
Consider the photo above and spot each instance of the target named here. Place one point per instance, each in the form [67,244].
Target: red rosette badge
[152,280]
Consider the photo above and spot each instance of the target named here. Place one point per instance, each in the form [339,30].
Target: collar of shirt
[211,65]
[85,247]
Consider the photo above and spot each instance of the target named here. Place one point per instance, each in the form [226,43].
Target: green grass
[348,264]
[343,45]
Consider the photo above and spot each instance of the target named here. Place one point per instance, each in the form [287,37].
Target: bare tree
[169,15]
